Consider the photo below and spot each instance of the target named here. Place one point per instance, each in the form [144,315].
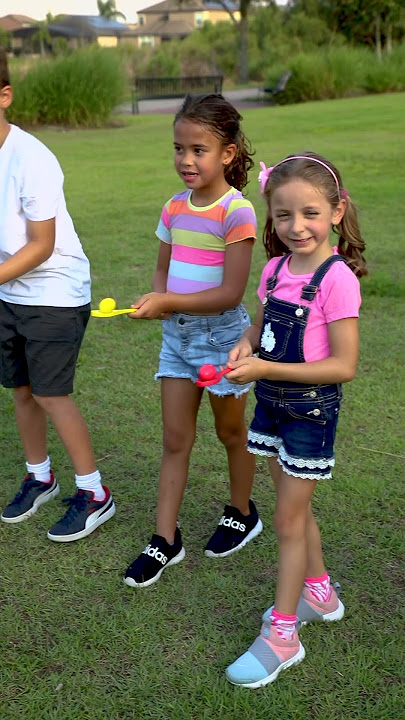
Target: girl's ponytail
[351,244]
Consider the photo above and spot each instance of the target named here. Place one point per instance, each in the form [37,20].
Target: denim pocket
[225,337]
[311,411]
[274,338]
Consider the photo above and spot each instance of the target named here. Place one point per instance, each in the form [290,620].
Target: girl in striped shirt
[206,235]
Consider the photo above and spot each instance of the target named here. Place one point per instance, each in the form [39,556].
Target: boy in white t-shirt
[44,310]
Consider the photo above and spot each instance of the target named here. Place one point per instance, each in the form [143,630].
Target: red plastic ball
[207,372]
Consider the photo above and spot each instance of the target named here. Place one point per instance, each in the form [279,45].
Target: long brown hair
[223,119]
[350,244]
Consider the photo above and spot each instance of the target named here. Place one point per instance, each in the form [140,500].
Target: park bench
[158,88]
[279,87]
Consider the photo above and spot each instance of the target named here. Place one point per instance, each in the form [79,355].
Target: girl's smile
[303,219]
[200,159]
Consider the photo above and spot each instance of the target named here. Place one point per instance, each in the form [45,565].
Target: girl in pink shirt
[306,336]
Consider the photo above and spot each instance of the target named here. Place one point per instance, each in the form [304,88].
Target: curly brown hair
[4,74]
[350,244]
[224,120]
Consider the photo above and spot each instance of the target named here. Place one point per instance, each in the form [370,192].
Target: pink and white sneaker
[312,610]
[265,659]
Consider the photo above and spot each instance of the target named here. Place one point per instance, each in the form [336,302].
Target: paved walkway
[240,98]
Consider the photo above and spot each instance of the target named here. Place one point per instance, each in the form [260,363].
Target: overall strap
[271,281]
[309,291]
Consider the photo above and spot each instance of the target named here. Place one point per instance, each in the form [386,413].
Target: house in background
[171,19]
[77,30]
[9,23]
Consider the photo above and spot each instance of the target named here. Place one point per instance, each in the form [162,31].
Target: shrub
[388,74]
[81,89]
[162,64]
[339,72]
[213,48]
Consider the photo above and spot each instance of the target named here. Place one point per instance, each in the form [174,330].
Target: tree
[365,21]
[5,39]
[42,35]
[108,10]
[244,7]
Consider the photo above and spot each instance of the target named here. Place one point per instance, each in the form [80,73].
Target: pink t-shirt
[338,297]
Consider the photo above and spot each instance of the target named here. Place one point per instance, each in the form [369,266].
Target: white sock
[91,482]
[42,471]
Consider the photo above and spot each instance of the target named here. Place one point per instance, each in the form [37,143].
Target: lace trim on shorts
[283,457]
[268,440]
[305,476]
[307,463]
[264,453]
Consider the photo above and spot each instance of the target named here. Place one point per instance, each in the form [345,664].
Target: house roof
[85,26]
[172,6]
[12,22]
[165,28]
[89,25]
[212,5]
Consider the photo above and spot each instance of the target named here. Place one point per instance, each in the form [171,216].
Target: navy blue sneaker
[234,531]
[157,556]
[29,498]
[83,516]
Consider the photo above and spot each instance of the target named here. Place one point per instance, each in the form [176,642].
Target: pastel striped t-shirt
[199,236]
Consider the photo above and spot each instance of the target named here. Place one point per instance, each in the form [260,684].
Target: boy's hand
[151,306]
[246,370]
[242,349]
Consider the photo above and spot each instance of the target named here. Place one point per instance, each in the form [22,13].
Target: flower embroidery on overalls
[268,339]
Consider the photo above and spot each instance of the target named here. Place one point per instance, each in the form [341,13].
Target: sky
[38,9]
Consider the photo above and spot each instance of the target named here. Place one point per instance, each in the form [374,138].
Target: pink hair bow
[264,176]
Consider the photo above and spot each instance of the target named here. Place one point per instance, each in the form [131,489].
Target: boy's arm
[40,245]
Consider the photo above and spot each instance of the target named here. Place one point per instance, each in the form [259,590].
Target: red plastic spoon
[209,375]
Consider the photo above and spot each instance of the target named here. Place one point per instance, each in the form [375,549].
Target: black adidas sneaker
[157,556]
[234,531]
[31,495]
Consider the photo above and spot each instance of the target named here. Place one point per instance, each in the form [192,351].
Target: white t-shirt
[31,188]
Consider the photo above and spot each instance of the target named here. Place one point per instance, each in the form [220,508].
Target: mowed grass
[77,644]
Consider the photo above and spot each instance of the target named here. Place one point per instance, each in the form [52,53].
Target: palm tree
[109,10]
[42,34]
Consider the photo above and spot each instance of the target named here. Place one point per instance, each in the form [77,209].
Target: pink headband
[266,172]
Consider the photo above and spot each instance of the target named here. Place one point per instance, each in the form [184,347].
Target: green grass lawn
[76,643]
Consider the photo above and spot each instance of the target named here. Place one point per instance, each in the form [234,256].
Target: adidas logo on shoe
[156,553]
[231,523]
[157,556]
[234,531]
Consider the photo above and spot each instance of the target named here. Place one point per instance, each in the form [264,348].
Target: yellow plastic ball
[107,305]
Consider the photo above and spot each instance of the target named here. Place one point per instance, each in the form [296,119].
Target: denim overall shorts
[296,423]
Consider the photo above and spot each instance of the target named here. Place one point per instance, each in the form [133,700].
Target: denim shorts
[190,341]
[297,424]
[39,346]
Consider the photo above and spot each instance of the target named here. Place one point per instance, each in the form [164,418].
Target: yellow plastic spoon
[107,308]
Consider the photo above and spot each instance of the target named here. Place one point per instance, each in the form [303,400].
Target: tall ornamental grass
[81,89]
